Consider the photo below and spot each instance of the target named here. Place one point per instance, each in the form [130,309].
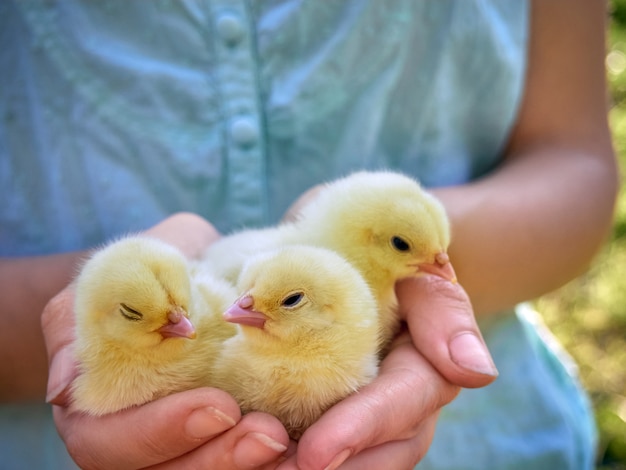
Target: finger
[257,441]
[293,212]
[407,391]
[148,434]
[57,322]
[442,324]
[395,454]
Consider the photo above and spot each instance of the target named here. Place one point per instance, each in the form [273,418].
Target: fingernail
[267,441]
[469,352]
[61,373]
[340,458]
[207,422]
[255,449]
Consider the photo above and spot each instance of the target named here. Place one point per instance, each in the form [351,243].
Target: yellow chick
[387,226]
[135,340]
[308,336]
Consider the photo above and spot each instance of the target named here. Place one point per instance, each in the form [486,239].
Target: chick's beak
[242,312]
[178,325]
[441,267]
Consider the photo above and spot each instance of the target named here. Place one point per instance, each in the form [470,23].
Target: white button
[244,132]
[230,28]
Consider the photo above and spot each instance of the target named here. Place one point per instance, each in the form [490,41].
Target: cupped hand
[196,428]
[390,423]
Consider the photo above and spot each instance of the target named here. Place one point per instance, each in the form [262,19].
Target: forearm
[532,225]
[26,286]
[537,220]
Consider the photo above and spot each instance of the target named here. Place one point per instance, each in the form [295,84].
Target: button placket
[237,83]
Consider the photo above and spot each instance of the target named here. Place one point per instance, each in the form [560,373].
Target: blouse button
[230,28]
[244,132]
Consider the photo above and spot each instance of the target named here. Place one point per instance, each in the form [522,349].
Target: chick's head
[299,291]
[384,223]
[135,291]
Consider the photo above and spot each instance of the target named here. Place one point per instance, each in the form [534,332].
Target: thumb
[443,328]
[149,434]
[57,321]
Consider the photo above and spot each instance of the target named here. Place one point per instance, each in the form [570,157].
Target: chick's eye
[130,313]
[292,300]
[400,244]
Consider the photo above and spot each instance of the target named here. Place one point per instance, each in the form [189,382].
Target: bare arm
[536,222]
[26,286]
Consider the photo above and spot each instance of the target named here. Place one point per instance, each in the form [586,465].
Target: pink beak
[178,326]
[440,267]
[241,312]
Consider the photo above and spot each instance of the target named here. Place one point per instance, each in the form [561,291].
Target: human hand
[196,427]
[390,423]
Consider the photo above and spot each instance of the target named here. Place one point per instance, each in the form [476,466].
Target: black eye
[400,244]
[292,300]
[130,313]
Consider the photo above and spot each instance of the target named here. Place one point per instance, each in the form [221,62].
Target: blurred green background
[588,315]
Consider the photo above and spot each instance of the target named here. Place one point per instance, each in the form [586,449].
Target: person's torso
[116,114]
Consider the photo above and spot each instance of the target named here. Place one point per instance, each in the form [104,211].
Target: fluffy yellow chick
[387,226]
[135,341]
[308,336]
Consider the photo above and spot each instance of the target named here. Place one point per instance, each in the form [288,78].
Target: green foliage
[589,317]
[589,314]
[618,13]
[616,64]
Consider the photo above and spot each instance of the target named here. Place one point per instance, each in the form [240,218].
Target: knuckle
[61,302]
[418,448]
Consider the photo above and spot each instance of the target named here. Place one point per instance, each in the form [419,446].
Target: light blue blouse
[115,114]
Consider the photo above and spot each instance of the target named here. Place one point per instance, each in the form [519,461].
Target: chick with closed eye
[145,328]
